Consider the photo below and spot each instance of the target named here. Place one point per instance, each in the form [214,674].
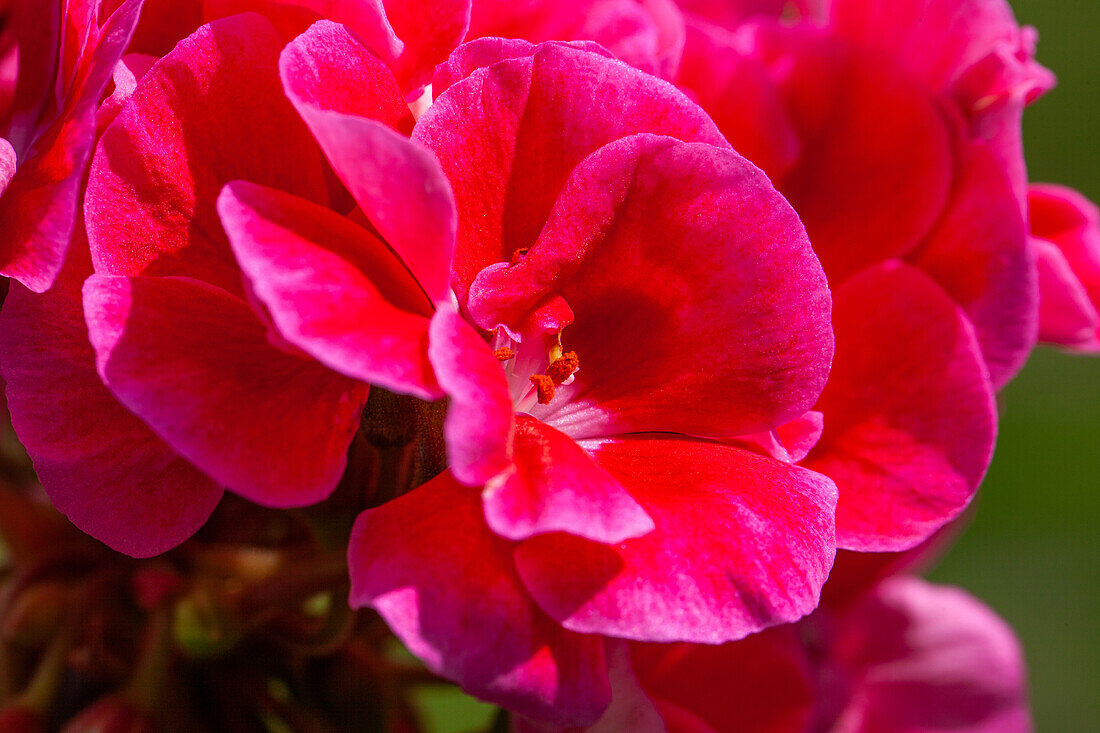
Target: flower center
[528,385]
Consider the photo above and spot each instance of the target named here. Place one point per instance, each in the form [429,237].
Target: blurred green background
[1033,549]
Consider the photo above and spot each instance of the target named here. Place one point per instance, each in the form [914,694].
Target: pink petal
[327,68]
[331,288]
[746,543]
[763,683]
[479,423]
[647,35]
[398,184]
[979,254]
[126,75]
[38,206]
[100,465]
[876,159]
[1067,314]
[509,135]
[735,89]
[910,417]
[469,57]
[210,112]
[931,658]
[8,163]
[556,486]
[1068,299]
[448,589]
[194,363]
[687,274]
[429,30]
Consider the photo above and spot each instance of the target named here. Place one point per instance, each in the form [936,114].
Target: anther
[545,387]
[504,353]
[518,255]
[563,367]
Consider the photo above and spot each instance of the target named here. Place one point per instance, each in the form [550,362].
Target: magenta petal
[910,417]
[101,466]
[745,544]
[479,423]
[719,325]
[331,288]
[876,160]
[737,92]
[1068,316]
[928,658]
[398,184]
[429,30]
[509,135]
[8,164]
[195,364]
[328,68]
[1066,230]
[447,587]
[209,112]
[38,206]
[469,57]
[979,254]
[556,486]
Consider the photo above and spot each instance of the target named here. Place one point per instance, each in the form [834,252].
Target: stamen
[545,387]
[504,353]
[563,367]
[518,255]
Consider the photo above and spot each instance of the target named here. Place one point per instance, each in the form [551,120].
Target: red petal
[194,362]
[742,542]
[447,587]
[910,417]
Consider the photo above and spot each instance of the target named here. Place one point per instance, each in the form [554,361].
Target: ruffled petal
[398,184]
[331,288]
[447,587]
[876,162]
[699,306]
[101,466]
[479,423]
[1065,227]
[931,658]
[742,542]
[555,486]
[979,254]
[190,127]
[38,206]
[509,135]
[195,364]
[910,416]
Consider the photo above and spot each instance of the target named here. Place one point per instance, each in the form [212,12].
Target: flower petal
[910,417]
[876,160]
[979,254]
[38,204]
[932,658]
[331,288]
[1070,279]
[699,306]
[101,466]
[479,423]
[742,542]
[194,362]
[190,127]
[509,135]
[447,587]
[398,184]
[556,486]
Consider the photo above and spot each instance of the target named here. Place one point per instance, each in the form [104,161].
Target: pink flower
[65,57]
[1065,232]
[194,391]
[909,657]
[893,128]
[563,517]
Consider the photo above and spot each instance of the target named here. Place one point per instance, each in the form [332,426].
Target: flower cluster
[591,340]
